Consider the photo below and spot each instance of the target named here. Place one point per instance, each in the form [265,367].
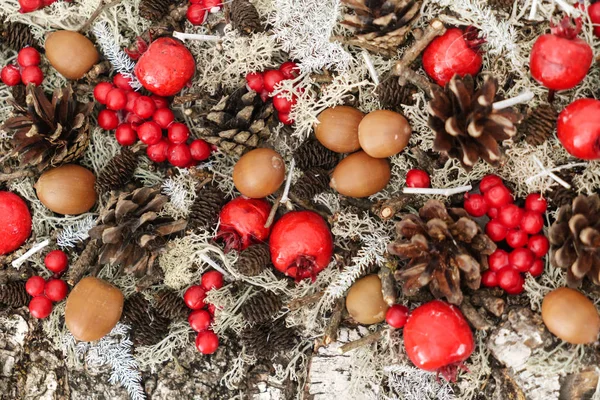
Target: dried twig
[83,264]
[387,209]
[274,210]
[101,8]
[23,173]
[332,328]
[363,341]
[300,302]
[388,285]
[473,316]
[308,206]
[186,98]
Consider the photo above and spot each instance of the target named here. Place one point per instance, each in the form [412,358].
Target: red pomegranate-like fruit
[578,129]
[243,223]
[166,67]
[15,222]
[560,60]
[301,244]
[437,337]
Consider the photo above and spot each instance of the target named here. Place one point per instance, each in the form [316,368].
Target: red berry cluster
[265,82]
[417,178]
[202,314]
[198,10]
[28,6]
[27,71]
[397,315]
[518,227]
[53,290]
[134,117]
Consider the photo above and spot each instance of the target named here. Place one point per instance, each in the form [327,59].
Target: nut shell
[259,173]
[338,129]
[571,316]
[383,133]
[360,175]
[93,309]
[364,301]
[68,189]
[71,53]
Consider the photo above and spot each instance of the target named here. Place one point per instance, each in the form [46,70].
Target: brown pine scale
[539,125]
[204,213]
[244,17]
[312,154]
[16,35]
[261,307]
[147,326]
[313,182]
[269,339]
[391,95]
[13,294]
[253,260]
[19,94]
[502,5]
[559,196]
[154,10]
[118,172]
[170,305]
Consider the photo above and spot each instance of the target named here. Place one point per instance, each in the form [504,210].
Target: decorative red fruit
[497,196]
[122,82]
[149,132]
[537,268]
[15,222]
[35,285]
[199,320]
[283,104]
[301,244]
[417,178]
[56,289]
[285,118]
[594,13]
[33,75]
[508,277]
[489,279]
[163,117]
[437,337]
[144,107]
[496,230]
[510,215]
[101,90]
[160,102]
[178,133]
[131,99]
[396,316]
[116,99]
[212,280]
[539,245]
[560,60]
[108,119]
[475,205]
[578,129]
[194,297]
[518,286]
[40,307]
[492,212]
[521,259]
[30,5]
[535,202]
[179,155]
[126,135]
[56,261]
[255,82]
[200,150]
[242,223]
[289,69]
[271,78]
[207,342]
[455,52]
[134,120]
[10,75]
[516,238]
[196,14]
[213,5]
[532,222]
[489,181]
[158,152]
[498,260]
[28,56]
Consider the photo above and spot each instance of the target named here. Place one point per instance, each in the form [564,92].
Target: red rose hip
[32,74]
[10,75]
[116,99]
[144,107]
[179,155]
[158,152]
[212,280]
[516,238]
[489,279]
[289,69]
[255,82]
[537,268]
[101,90]
[150,133]
[271,78]
[535,202]
[496,230]
[178,133]
[475,205]
[508,277]
[521,259]
[532,222]
[126,135]
[489,181]
[417,178]
[122,82]
[498,260]
[28,56]
[510,215]
[200,150]
[163,117]
[56,261]
[497,196]
[539,245]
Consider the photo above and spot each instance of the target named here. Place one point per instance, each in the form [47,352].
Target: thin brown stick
[363,341]
[297,304]
[493,304]
[333,326]
[186,98]
[86,260]
[410,76]
[364,45]
[101,8]
[388,209]
[23,173]
[307,205]
[388,285]
[274,210]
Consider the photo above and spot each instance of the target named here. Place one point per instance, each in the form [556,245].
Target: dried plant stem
[473,316]
[273,211]
[308,206]
[288,182]
[11,274]
[410,76]
[370,68]
[331,331]
[300,302]
[493,304]
[101,8]
[524,97]
[363,341]
[23,173]
[37,247]
[443,192]
[551,174]
[186,98]
[388,285]
[85,261]
[546,172]
[194,36]
[388,208]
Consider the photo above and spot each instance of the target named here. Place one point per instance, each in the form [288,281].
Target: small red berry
[160,102]
[200,150]
[149,132]
[539,245]
[283,104]
[56,289]
[396,316]
[10,75]
[516,238]
[285,118]
[179,155]
[56,261]
[264,95]
[134,120]
[289,69]
[521,259]
[116,99]
[126,135]
[537,268]
[417,178]
[163,117]
[532,222]
[101,90]
[207,342]
[508,277]
[199,320]
[594,13]
[131,99]
[144,107]
[178,133]
[535,202]
[518,287]
[255,82]
[213,5]
[196,14]
[492,212]
[158,152]
[271,78]
[489,279]
[475,205]
[32,74]
[510,215]
[108,119]
[122,82]
[212,309]
[30,5]
[498,260]
[488,182]
[194,297]
[40,307]
[35,285]
[498,196]
[496,230]
[28,56]
[212,280]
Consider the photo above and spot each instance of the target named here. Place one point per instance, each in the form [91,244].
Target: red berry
[212,280]
[160,102]
[10,75]
[199,320]
[56,261]
[417,178]
[498,260]
[271,78]
[242,223]
[149,132]
[508,277]
[492,212]
[475,205]
[200,150]
[535,202]
[532,222]
[516,238]
[30,5]
[289,69]
[116,99]
[489,181]
[496,230]
[264,95]
[489,279]
[163,117]
[144,107]
[207,342]
[539,245]
[35,285]
[179,155]
[396,316]
[521,259]
[178,133]
[15,222]
[196,14]
[497,196]
[283,104]
[28,56]
[211,309]
[56,290]
[594,13]
[126,135]
[537,268]
[101,90]
[158,152]
[40,307]
[254,81]
[285,118]
[33,75]
[578,129]
[510,215]
[194,297]
[518,287]
[122,82]
[134,120]
[131,99]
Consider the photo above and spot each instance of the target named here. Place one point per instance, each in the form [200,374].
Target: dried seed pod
[268,339]
[170,305]
[244,17]
[539,124]
[204,213]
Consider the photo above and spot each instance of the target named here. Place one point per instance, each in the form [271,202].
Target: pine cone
[13,294]
[147,327]
[501,5]
[118,172]
[313,182]
[440,243]
[268,339]
[539,124]
[154,10]
[381,25]
[239,122]
[132,233]
[312,154]
[204,213]
[465,124]
[391,95]
[170,305]
[19,94]
[244,17]
[50,133]
[560,196]
[261,307]
[254,260]
[575,240]
[16,35]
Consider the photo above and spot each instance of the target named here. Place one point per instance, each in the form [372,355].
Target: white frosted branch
[556,169]
[39,246]
[551,174]
[194,36]
[533,11]
[371,68]
[524,97]
[443,192]
[213,264]
[566,7]
[288,182]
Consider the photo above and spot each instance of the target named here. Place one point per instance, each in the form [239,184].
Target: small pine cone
[170,305]
[261,307]
[13,294]
[147,327]
[268,339]
[392,95]
[312,154]
[254,260]
[16,35]
[154,10]
[501,5]
[560,196]
[204,213]
[19,95]
[244,17]
[539,124]
[313,182]
[118,172]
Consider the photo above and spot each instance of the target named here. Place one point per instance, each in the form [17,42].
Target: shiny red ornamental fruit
[194,297]
[56,290]
[516,238]
[116,99]
[539,245]
[101,90]
[40,307]
[32,74]
[301,244]
[594,13]
[212,280]
[15,222]
[489,181]
[508,278]
[496,230]
[35,285]
[200,150]
[498,196]
[560,60]
[437,337]
[289,69]
[475,205]
[10,75]
[521,259]
[537,268]
[166,67]
[396,316]
[254,81]
[578,129]
[417,178]
[28,56]
[510,215]
[207,342]
[535,202]
[489,279]
[271,78]
[179,155]
[122,82]
[455,52]
[199,320]
[532,222]
[242,223]
[158,152]
[56,261]
[144,107]
[126,135]
[108,119]
[498,260]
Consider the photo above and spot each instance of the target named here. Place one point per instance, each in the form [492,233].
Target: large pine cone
[440,244]
[170,305]
[312,154]
[244,17]
[118,172]
[269,339]
[147,326]
[13,294]
[261,307]
[575,240]
[466,125]
[539,124]
[254,260]
[16,35]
